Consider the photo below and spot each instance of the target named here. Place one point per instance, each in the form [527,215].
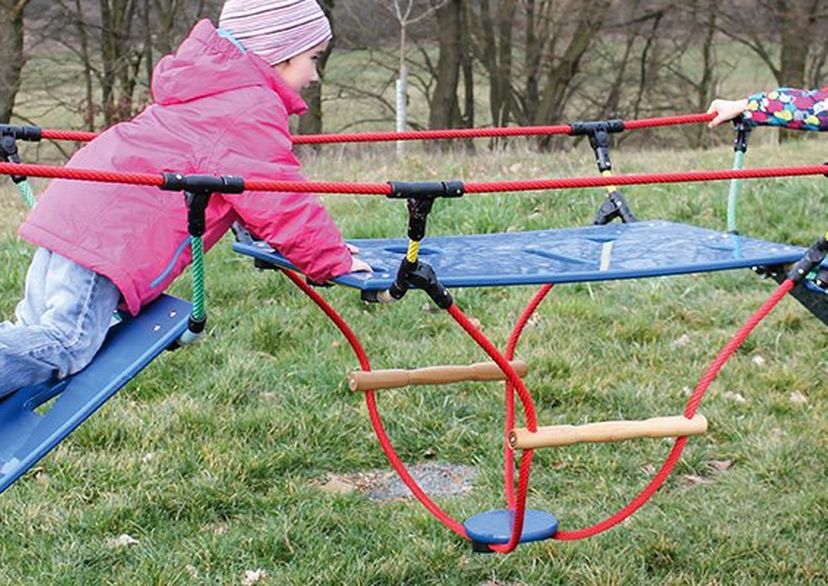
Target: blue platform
[567,255]
[26,435]
[495,527]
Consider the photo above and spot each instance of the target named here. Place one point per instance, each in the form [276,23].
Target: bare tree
[787,35]
[11,47]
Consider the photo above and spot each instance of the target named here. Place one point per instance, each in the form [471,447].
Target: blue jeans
[60,323]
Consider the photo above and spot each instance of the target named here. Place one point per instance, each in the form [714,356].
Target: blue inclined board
[563,255]
[26,436]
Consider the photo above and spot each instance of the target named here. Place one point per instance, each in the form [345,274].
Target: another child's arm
[790,108]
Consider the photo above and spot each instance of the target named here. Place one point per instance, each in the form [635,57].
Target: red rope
[644,179]
[384,189]
[509,425]
[531,423]
[73,135]
[441,134]
[51,172]
[437,134]
[668,121]
[689,411]
[373,412]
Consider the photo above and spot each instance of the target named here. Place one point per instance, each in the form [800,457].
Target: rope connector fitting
[9,152]
[598,132]
[812,258]
[425,190]
[27,133]
[205,183]
[740,143]
[415,274]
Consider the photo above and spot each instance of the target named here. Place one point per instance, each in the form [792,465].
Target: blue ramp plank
[26,436]
[567,255]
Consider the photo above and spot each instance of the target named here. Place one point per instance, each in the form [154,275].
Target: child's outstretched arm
[786,107]
[295,224]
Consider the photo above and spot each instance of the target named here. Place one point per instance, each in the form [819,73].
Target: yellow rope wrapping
[413,251]
[610,188]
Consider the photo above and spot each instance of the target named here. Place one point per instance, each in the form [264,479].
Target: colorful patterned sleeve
[791,108]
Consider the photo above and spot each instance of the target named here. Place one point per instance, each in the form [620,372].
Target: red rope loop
[689,411]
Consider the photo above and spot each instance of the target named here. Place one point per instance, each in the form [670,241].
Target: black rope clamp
[417,274]
[615,206]
[197,191]
[27,133]
[197,183]
[821,279]
[429,190]
[598,133]
[812,259]
[197,202]
[9,153]
[740,144]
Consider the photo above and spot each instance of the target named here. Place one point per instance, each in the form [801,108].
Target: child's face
[300,71]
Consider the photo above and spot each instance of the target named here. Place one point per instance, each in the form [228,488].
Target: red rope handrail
[436,134]
[156,180]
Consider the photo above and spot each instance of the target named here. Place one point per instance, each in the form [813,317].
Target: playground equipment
[603,251]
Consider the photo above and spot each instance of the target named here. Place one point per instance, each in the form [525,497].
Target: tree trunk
[311,122]
[797,21]
[11,48]
[495,36]
[590,17]
[445,111]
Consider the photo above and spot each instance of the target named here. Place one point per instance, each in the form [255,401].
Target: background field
[212,457]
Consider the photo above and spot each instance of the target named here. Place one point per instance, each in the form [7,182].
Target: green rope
[26,193]
[197,246]
[733,194]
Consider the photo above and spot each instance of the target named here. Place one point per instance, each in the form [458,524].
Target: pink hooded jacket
[217,111]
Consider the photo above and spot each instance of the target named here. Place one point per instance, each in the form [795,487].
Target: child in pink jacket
[221,107]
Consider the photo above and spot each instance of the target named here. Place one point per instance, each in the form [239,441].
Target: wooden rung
[606,431]
[361,380]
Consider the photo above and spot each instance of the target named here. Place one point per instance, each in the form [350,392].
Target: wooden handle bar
[606,431]
[431,375]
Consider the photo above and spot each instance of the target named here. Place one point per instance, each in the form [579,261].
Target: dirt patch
[381,485]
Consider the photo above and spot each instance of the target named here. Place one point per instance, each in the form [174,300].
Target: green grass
[208,457]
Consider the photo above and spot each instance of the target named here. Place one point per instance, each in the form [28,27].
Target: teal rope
[26,193]
[199,310]
[733,194]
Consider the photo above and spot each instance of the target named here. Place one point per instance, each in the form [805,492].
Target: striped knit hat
[275,30]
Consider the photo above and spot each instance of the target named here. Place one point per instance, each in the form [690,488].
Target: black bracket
[197,202]
[421,196]
[809,261]
[598,133]
[208,183]
[740,144]
[27,133]
[9,153]
[615,206]
[425,189]
[418,275]
[197,191]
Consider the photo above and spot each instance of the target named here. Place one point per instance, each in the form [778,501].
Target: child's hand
[360,266]
[725,110]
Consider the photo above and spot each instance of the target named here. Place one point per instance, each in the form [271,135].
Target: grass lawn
[212,458]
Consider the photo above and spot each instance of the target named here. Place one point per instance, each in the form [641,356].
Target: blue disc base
[495,527]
